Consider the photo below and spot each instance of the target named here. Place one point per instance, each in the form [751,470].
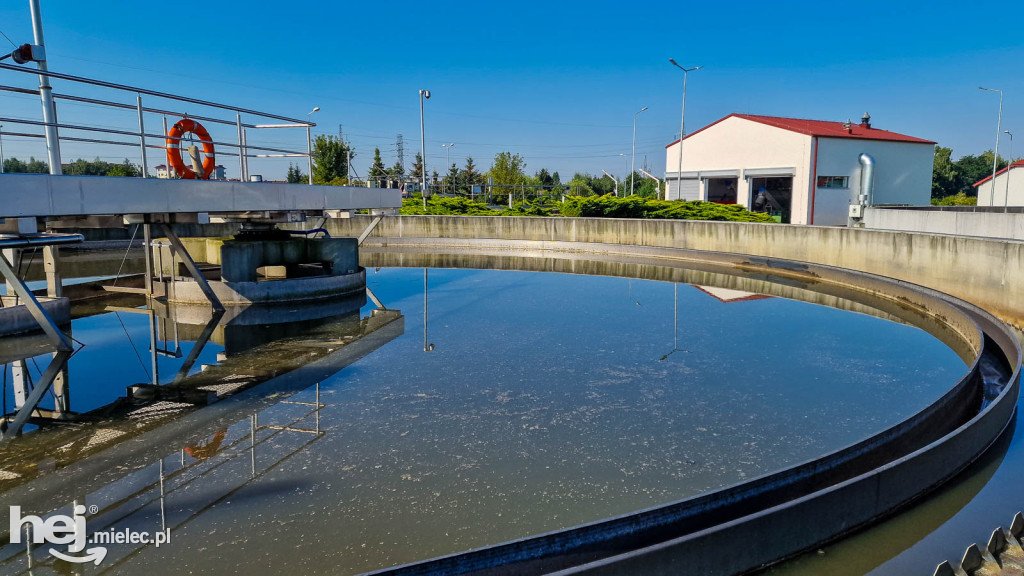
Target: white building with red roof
[801,171]
[1008,189]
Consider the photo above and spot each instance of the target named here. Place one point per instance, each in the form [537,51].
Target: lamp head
[316,109]
[644,108]
[425,94]
[673,61]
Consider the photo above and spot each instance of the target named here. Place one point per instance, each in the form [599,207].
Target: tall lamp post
[448,159]
[1010,167]
[1,148]
[682,131]
[309,142]
[423,150]
[632,162]
[995,155]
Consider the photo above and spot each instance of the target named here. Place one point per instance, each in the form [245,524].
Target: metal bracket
[60,340]
[190,264]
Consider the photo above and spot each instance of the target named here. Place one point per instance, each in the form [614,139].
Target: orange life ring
[182,127]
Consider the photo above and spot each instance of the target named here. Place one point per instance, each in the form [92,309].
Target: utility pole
[400,146]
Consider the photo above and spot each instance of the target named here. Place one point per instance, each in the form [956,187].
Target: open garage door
[772,195]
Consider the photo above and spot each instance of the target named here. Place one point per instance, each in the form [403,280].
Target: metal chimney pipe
[867,179]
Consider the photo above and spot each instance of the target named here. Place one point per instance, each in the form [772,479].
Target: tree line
[956,178]
[331,157]
[79,167]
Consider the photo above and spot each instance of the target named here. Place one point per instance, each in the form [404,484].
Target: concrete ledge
[291,290]
[16,319]
[990,223]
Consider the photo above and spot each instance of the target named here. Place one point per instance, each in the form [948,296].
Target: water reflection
[551,401]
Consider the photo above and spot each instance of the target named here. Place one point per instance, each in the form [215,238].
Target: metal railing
[243,149]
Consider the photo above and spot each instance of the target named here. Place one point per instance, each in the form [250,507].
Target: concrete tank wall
[987,272]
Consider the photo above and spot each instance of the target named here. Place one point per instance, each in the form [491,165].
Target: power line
[8,39]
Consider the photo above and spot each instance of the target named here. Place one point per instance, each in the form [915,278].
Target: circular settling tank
[509,404]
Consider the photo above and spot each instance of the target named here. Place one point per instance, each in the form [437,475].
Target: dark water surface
[544,401]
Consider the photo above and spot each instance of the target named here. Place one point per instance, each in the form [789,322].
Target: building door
[722,190]
[772,195]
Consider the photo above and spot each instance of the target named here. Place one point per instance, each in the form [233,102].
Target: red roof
[821,128]
[1017,164]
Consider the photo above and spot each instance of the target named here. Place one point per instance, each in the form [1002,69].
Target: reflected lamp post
[427,347]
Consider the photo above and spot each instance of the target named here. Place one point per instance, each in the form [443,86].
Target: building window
[833,181]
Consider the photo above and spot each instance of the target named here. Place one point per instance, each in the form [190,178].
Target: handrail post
[167,153]
[142,136]
[309,153]
[245,156]
[241,155]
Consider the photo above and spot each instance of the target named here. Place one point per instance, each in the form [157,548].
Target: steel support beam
[197,348]
[190,264]
[60,340]
[42,386]
[369,229]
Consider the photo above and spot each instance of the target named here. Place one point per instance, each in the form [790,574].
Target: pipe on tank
[867,179]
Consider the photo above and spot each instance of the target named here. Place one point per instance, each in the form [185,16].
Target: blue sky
[557,82]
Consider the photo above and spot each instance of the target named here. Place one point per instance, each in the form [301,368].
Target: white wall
[1016,182]
[903,175]
[737,144]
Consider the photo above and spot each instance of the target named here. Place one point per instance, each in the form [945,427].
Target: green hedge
[606,206]
[609,206]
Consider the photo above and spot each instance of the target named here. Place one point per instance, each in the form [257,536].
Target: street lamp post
[623,156]
[1,148]
[423,150]
[682,131]
[995,155]
[1010,168]
[448,159]
[632,162]
[616,182]
[309,143]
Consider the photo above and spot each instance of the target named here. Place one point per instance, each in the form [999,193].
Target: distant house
[1009,179]
[802,171]
[163,172]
